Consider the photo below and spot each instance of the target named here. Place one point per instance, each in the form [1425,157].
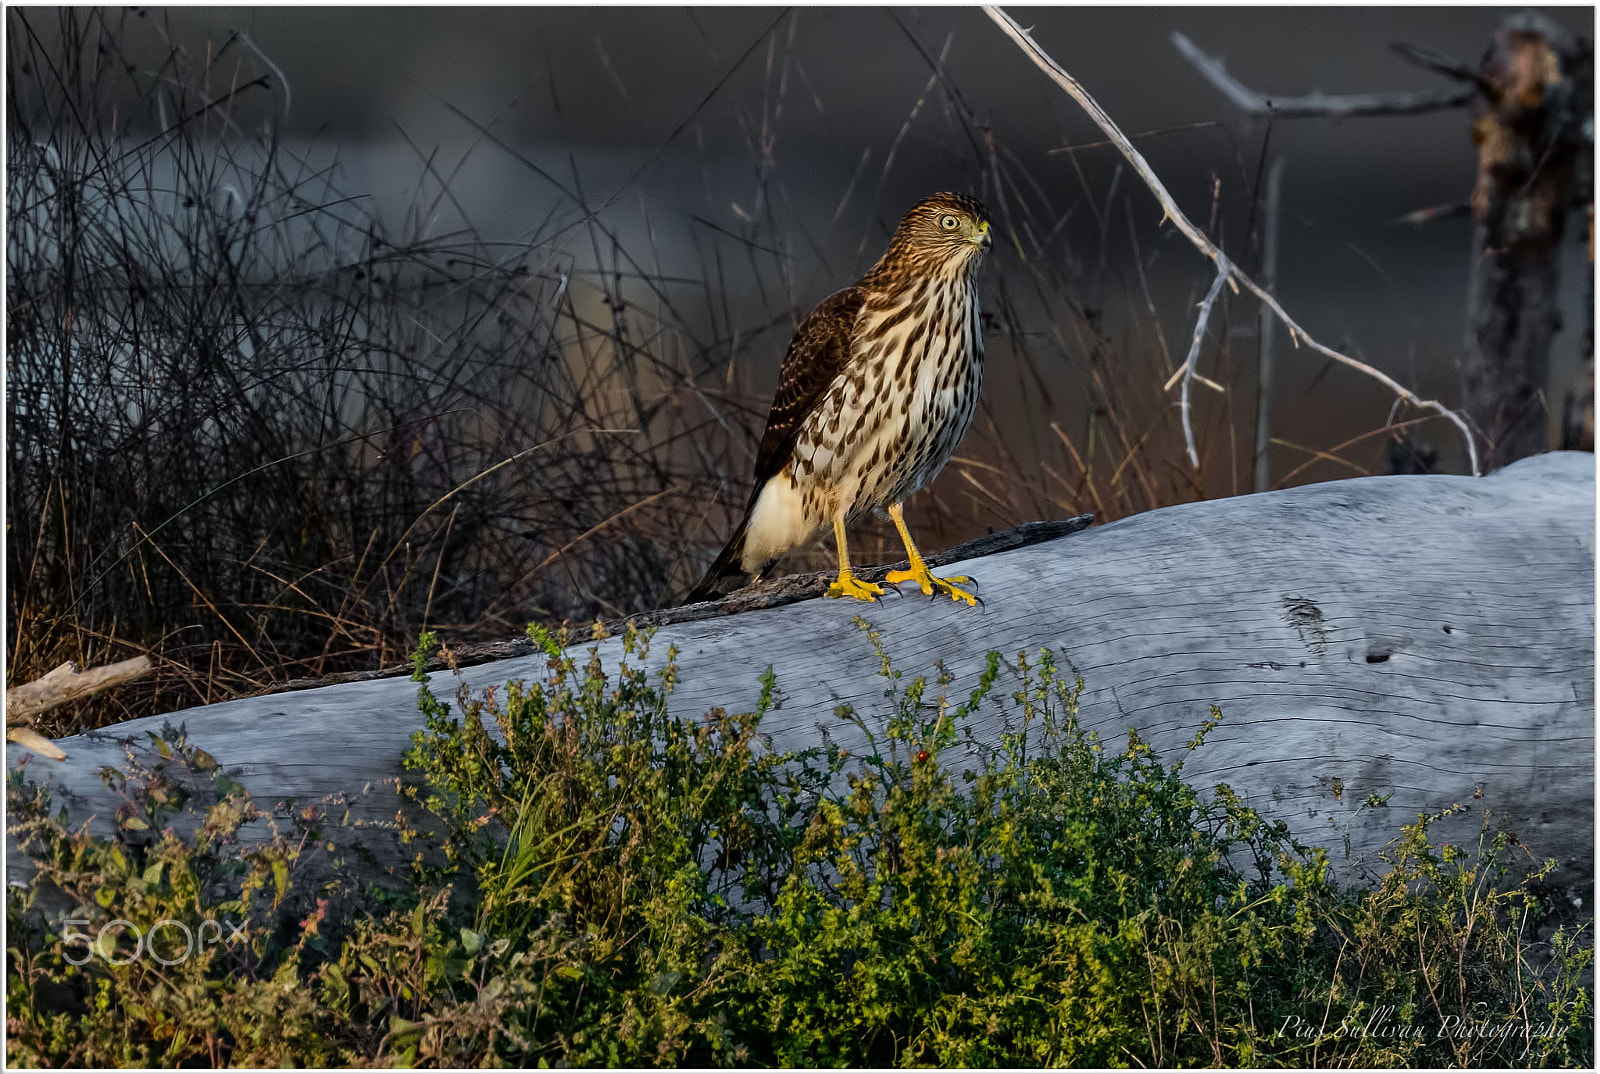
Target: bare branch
[65,683]
[1265,363]
[1318,104]
[33,740]
[1439,63]
[1171,212]
[1189,363]
[68,683]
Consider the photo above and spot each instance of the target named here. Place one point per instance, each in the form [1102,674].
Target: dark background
[610,85]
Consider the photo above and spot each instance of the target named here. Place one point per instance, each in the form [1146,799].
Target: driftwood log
[1422,640]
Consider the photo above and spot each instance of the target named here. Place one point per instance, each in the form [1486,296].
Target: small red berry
[922,755]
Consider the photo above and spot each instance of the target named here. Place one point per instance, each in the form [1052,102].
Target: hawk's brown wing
[817,354]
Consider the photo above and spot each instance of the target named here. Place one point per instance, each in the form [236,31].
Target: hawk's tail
[726,574]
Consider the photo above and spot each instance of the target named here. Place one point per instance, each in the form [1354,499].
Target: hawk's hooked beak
[982,236]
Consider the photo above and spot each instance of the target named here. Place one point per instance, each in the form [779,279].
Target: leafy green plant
[602,881]
[608,844]
[155,948]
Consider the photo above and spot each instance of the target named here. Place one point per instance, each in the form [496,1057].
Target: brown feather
[818,353]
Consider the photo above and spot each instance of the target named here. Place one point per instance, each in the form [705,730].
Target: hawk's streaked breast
[891,419]
[878,387]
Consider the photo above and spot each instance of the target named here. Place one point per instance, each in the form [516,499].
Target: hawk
[877,388]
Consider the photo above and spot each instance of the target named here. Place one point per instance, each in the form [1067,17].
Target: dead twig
[1439,63]
[66,683]
[1170,211]
[69,683]
[1204,124]
[1335,105]
[33,740]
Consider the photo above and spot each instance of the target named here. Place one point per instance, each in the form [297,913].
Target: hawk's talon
[924,578]
[848,585]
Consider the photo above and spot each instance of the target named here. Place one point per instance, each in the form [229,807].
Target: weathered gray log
[1425,638]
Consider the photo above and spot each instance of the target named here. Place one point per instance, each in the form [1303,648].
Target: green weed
[601,881]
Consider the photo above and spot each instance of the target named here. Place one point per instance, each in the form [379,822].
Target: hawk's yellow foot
[848,585]
[920,574]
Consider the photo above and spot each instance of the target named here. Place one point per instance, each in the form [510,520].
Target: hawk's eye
[949,223]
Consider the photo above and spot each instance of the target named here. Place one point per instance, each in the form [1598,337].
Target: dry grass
[258,434]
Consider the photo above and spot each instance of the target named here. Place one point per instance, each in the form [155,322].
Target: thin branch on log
[68,683]
[1336,105]
[1171,212]
[772,593]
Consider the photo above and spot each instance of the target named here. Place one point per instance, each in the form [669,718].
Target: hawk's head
[942,234]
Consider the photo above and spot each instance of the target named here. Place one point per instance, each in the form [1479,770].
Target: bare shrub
[260,434]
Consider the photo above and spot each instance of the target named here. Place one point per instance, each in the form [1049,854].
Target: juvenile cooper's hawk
[876,390]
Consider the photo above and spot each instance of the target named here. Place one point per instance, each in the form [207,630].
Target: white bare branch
[1193,359]
[1337,106]
[66,683]
[1439,63]
[1171,212]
